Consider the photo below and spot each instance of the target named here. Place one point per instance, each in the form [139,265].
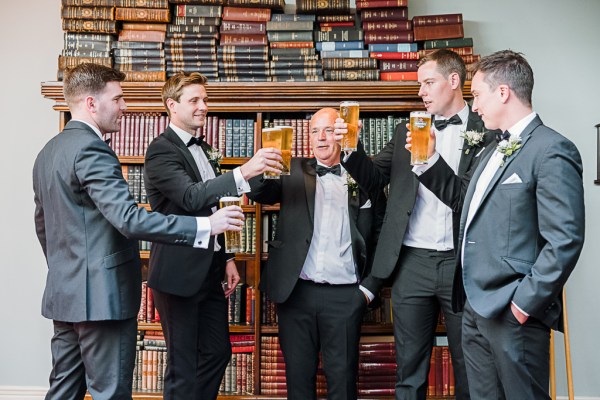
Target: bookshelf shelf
[262,102]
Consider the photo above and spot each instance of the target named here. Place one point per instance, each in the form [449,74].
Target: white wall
[558,37]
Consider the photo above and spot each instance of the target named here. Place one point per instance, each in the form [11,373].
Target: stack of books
[293,56]
[389,36]
[192,38]
[139,52]
[445,31]
[244,53]
[89,33]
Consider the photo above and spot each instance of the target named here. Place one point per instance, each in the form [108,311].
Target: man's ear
[90,103]
[454,80]
[504,92]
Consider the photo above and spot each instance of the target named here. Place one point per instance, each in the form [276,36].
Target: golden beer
[420,127]
[349,111]
[272,137]
[286,148]
[233,239]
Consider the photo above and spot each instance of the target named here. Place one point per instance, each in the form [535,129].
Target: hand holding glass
[233,239]
[420,127]
[349,111]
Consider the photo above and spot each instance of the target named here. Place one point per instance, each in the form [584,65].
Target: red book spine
[442,19]
[439,32]
[246,14]
[394,55]
[360,4]
[398,76]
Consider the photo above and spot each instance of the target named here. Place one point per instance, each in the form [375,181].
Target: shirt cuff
[202,233]
[231,259]
[520,309]
[240,183]
[347,155]
[421,169]
[367,292]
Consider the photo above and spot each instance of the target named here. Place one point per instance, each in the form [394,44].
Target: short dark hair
[173,87]
[448,62]
[88,79]
[509,68]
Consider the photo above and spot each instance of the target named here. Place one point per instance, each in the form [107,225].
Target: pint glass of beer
[272,137]
[233,239]
[286,147]
[420,127]
[349,111]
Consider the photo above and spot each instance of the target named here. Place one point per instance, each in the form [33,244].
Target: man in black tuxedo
[521,233]
[322,249]
[89,226]
[419,235]
[181,177]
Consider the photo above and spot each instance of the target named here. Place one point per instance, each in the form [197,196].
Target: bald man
[322,249]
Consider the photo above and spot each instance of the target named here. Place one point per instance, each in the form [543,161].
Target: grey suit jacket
[288,251]
[525,238]
[88,225]
[392,165]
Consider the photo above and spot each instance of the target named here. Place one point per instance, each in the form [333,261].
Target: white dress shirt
[486,177]
[202,223]
[330,259]
[430,223]
[207,172]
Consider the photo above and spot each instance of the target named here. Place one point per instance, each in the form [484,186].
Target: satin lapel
[310,185]
[173,138]
[525,135]
[473,124]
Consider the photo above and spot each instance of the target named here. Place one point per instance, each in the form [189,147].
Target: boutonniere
[508,147]
[352,186]
[215,157]
[473,139]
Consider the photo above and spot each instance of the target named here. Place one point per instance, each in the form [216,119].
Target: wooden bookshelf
[261,101]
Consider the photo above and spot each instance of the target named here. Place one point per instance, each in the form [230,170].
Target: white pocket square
[514,178]
[367,204]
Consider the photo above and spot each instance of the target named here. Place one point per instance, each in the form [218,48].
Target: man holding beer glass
[186,283]
[419,235]
[326,232]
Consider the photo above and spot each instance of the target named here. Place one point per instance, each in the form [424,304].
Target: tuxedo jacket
[89,226]
[527,233]
[392,166]
[174,186]
[288,251]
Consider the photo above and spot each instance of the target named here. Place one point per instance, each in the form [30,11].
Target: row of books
[151,362]
[236,137]
[198,33]
[240,308]
[376,370]
[241,305]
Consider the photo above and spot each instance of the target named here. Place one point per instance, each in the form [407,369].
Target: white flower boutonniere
[215,157]
[508,148]
[473,139]
[352,186]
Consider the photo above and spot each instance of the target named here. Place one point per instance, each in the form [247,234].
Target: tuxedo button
[200,242]
[408,212]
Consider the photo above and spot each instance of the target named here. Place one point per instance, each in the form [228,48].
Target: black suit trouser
[422,286]
[504,359]
[326,318]
[95,355]
[197,335]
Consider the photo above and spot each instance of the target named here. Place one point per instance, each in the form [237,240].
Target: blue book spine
[393,47]
[331,46]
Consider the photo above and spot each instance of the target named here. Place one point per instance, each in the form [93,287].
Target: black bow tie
[441,124]
[195,140]
[336,169]
[107,141]
[500,136]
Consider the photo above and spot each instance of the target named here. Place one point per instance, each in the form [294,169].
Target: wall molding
[22,392]
[38,393]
